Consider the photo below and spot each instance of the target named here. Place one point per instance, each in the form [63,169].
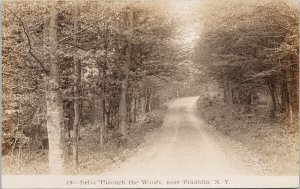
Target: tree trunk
[123,110]
[55,114]
[101,123]
[94,114]
[129,109]
[124,87]
[99,108]
[108,116]
[135,110]
[248,104]
[148,101]
[238,97]
[225,92]
[293,86]
[104,110]
[142,104]
[98,121]
[272,89]
[77,77]
[284,94]
[228,92]
[70,117]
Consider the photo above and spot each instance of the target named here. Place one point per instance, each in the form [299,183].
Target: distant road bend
[184,145]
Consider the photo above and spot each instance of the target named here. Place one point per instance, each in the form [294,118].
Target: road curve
[184,145]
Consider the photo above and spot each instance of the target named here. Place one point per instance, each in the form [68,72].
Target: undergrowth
[272,143]
[91,159]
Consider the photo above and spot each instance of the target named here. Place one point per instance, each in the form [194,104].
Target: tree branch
[277,23]
[72,35]
[76,45]
[28,40]
[291,11]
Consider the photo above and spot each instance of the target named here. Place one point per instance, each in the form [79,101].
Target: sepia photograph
[150,94]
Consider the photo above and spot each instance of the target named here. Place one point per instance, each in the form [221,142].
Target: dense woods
[101,73]
[252,48]
[68,65]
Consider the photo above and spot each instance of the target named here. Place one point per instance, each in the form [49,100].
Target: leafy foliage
[248,46]
[100,45]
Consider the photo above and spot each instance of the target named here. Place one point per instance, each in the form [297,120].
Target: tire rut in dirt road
[183,146]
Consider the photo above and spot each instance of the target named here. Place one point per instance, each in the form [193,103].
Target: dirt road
[184,145]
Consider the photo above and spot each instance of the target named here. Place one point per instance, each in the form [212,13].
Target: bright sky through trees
[184,10]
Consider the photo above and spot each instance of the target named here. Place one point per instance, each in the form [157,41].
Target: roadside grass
[91,159]
[271,144]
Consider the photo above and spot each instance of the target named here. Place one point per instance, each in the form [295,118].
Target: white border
[33,181]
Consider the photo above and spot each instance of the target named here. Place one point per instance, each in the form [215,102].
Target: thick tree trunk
[124,87]
[123,109]
[55,113]
[105,67]
[77,77]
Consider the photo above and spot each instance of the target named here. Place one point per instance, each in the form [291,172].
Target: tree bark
[135,110]
[77,77]
[225,91]
[142,105]
[148,101]
[101,123]
[55,114]
[238,96]
[123,109]
[272,89]
[228,92]
[248,104]
[71,118]
[284,96]
[108,116]
[105,67]
[293,88]
[99,109]
[124,87]
[129,111]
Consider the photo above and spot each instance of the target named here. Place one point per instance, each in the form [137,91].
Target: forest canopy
[252,47]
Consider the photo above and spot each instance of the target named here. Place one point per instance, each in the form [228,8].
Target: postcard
[150,94]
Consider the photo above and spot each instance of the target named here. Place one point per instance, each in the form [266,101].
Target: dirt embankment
[271,144]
